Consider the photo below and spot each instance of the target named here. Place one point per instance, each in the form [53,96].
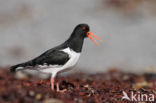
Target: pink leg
[52,83]
[58,88]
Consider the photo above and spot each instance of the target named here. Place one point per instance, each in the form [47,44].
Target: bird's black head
[81,30]
[76,39]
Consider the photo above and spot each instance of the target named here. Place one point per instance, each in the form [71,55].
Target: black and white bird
[60,58]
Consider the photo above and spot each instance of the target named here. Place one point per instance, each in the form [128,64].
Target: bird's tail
[19,66]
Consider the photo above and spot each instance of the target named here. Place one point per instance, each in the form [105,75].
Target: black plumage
[51,57]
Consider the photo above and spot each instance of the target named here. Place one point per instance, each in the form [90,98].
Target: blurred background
[127,28]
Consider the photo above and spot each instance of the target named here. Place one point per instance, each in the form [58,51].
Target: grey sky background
[30,27]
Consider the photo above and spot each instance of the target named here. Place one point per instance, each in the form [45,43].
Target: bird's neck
[75,43]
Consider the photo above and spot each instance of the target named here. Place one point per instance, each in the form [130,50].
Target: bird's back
[52,56]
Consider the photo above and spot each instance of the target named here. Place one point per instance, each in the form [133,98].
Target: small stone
[52,100]
[32,93]
[141,85]
[38,96]
[93,91]
[125,77]
[20,75]
[78,100]
[86,86]
[18,86]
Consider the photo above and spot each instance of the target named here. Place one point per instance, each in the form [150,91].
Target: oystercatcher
[60,58]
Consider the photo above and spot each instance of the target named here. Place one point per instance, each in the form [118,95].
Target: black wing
[51,57]
[54,57]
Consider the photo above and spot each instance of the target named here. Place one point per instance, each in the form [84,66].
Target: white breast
[73,57]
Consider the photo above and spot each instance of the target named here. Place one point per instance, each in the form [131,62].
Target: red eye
[83,28]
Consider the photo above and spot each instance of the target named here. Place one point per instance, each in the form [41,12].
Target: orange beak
[89,34]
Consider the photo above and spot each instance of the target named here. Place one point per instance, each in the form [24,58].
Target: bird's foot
[57,86]
[58,89]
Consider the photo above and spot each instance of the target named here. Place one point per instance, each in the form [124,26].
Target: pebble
[32,93]
[86,86]
[52,100]
[21,75]
[38,96]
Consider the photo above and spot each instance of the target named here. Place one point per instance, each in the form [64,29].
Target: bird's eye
[83,28]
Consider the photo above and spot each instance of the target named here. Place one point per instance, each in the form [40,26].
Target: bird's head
[83,31]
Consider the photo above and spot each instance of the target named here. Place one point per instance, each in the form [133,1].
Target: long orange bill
[95,36]
[89,35]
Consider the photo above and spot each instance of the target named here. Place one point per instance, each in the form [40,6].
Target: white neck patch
[74,56]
